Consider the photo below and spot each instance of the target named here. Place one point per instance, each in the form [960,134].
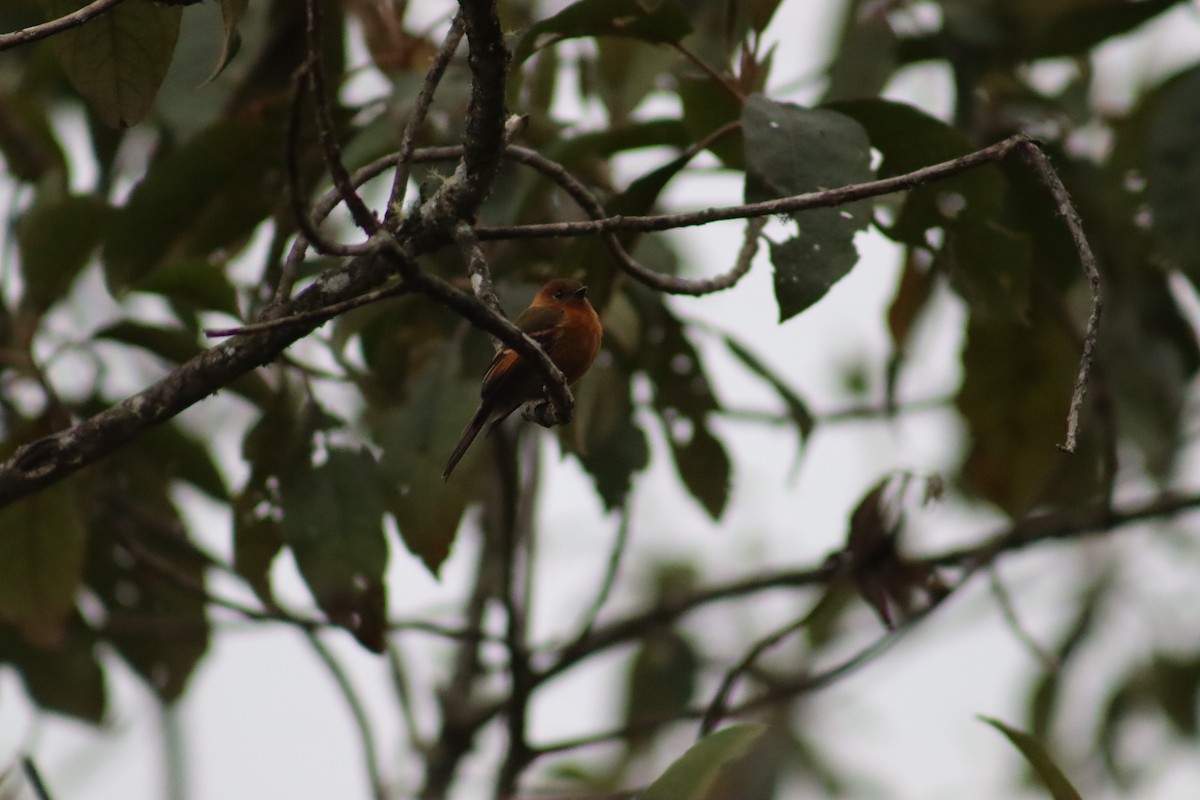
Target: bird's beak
[581,292]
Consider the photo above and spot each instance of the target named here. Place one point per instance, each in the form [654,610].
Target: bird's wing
[540,323]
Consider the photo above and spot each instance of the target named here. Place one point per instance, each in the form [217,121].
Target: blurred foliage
[129,176]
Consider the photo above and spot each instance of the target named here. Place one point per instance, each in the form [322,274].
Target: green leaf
[56,239]
[706,107]
[1014,396]
[28,143]
[792,150]
[231,172]
[1172,171]
[988,265]
[662,679]
[231,15]
[614,447]
[654,21]
[159,626]
[865,55]
[192,283]
[1081,26]
[693,774]
[42,542]
[416,439]
[1176,686]
[181,455]
[627,71]
[65,676]
[118,59]
[257,534]
[704,467]
[1035,753]
[683,400]
[333,523]
[807,267]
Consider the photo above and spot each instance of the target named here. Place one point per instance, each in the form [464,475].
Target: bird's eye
[558,295]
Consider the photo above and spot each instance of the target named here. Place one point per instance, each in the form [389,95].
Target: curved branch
[63,23]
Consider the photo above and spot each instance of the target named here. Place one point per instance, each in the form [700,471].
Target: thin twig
[477,267]
[1035,157]
[307,317]
[420,110]
[398,672]
[35,778]
[357,710]
[703,66]
[46,29]
[326,135]
[784,690]
[619,545]
[304,219]
[784,205]
[1009,613]
[1052,526]
[719,705]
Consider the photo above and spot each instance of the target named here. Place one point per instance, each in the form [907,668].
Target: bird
[563,322]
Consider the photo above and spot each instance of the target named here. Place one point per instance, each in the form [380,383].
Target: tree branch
[65,22]
[315,74]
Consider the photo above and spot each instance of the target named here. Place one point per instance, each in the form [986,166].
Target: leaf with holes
[792,150]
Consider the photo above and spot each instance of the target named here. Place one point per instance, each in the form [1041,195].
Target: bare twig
[1036,158]
[477,267]
[719,705]
[420,110]
[357,710]
[515,543]
[363,217]
[784,205]
[63,23]
[619,545]
[35,778]
[1052,526]
[703,66]
[317,315]
[310,233]
[1009,612]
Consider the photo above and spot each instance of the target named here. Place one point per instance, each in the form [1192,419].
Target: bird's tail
[468,436]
